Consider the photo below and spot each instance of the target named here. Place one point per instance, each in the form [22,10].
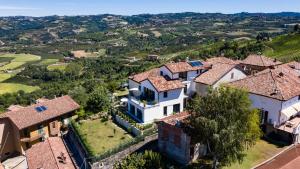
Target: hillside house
[256,63]
[160,92]
[24,127]
[222,71]
[276,93]
[174,142]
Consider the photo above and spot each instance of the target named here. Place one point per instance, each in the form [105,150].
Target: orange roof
[282,83]
[161,84]
[260,60]
[173,119]
[214,74]
[224,60]
[288,159]
[294,65]
[144,75]
[182,67]
[28,116]
[47,155]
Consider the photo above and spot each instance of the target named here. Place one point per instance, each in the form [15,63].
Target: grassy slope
[257,154]
[285,47]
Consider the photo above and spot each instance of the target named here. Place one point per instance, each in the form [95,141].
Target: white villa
[163,91]
[276,92]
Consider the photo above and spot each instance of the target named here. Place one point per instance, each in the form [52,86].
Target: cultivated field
[14,87]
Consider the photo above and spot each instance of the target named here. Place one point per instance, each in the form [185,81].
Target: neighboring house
[218,74]
[276,92]
[50,154]
[26,126]
[160,92]
[256,63]
[153,57]
[174,142]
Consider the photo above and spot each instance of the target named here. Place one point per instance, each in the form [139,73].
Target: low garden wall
[135,131]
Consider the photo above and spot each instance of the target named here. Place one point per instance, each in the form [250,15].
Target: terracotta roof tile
[294,65]
[47,155]
[182,67]
[144,75]
[224,60]
[282,83]
[28,116]
[173,119]
[214,74]
[288,159]
[161,84]
[260,60]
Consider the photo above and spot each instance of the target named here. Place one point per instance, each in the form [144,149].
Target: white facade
[147,112]
[278,111]
[232,75]
[161,106]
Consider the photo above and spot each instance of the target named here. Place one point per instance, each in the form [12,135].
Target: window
[176,108]
[232,75]
[131,109]
[183,75]
[165,94]
[165,111]
[185,89]
[139,114]
[298,97]
[41,129]
[161,73]
[140,88]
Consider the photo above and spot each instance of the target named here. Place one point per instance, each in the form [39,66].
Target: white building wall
[166,71]
[132,84]
[227,78]
[273,106]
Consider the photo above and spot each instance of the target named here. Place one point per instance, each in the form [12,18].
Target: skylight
[195,63]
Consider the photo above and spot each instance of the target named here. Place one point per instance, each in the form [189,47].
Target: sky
[132,7]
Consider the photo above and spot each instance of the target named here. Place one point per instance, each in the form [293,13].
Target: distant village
[40,136]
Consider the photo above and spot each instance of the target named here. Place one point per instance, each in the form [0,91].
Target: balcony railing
[143,103]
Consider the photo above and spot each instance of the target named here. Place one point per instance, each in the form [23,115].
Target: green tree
[146,160]
[80,95]
[225,122]
[73,70]
[98,100]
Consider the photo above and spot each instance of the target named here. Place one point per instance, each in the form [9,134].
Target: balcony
[31,139]
[142,102]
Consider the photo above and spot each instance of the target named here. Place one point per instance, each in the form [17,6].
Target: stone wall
[109,162]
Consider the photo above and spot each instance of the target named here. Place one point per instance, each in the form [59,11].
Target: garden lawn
[14,87]
[257,154]
[100,136]
[48,61]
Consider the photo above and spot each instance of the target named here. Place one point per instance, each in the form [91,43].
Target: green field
[14,87]
[61,67]
[257,154]
[285,47]
[5,76]
[102,136]
[48,61]
[18,60]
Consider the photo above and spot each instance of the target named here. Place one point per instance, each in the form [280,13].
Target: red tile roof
[47,155]
[260,60]
[224,60]
[214,74]
[182,67]
[28,116]
[294,65]
[288,159]
[144,75]
[173,119]
[281,83]
[161,84]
